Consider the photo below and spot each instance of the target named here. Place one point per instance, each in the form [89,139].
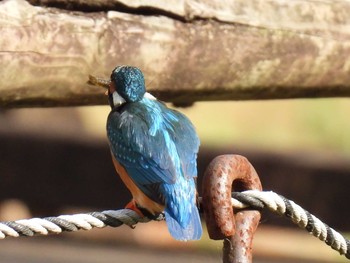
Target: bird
[154,150]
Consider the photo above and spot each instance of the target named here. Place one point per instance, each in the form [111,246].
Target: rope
[70,223]
[251,199]
[279,204]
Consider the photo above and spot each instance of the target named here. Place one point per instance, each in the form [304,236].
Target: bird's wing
[146,155]
[186,140]
[152,156]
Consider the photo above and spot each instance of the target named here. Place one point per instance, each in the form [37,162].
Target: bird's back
[158,148]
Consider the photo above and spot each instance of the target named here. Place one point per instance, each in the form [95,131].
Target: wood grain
[189,50]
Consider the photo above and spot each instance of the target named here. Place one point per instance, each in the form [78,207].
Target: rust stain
[227,173]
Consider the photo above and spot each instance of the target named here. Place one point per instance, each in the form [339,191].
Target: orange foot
[132,206]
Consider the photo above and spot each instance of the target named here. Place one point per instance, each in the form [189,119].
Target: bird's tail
[192,231]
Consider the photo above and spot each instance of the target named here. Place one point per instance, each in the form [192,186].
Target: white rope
[7,231]
[301,217]
[85,222]
[248,199]
[56,225]
[38,225]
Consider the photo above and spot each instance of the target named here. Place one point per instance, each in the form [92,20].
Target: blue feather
[193,231]
[157,145]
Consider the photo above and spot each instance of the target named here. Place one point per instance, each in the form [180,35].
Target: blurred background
[56,161]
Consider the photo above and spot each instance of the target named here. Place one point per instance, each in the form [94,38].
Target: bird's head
[127,85]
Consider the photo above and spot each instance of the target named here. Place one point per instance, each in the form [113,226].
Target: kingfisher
[154,150]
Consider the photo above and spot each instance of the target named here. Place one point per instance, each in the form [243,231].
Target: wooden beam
[189,50]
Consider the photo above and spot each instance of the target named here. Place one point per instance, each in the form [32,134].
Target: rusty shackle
[224,175]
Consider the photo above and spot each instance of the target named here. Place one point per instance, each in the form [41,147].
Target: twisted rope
[298,215]
[251,199]
[69,223]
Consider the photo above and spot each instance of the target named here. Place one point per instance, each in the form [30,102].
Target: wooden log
[189,50]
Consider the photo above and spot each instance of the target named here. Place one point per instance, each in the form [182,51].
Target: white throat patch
[117,99]
[149,96]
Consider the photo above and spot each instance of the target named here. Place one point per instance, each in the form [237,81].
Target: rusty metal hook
[225,174]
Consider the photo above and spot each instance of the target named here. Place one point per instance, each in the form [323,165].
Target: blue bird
[154,150]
